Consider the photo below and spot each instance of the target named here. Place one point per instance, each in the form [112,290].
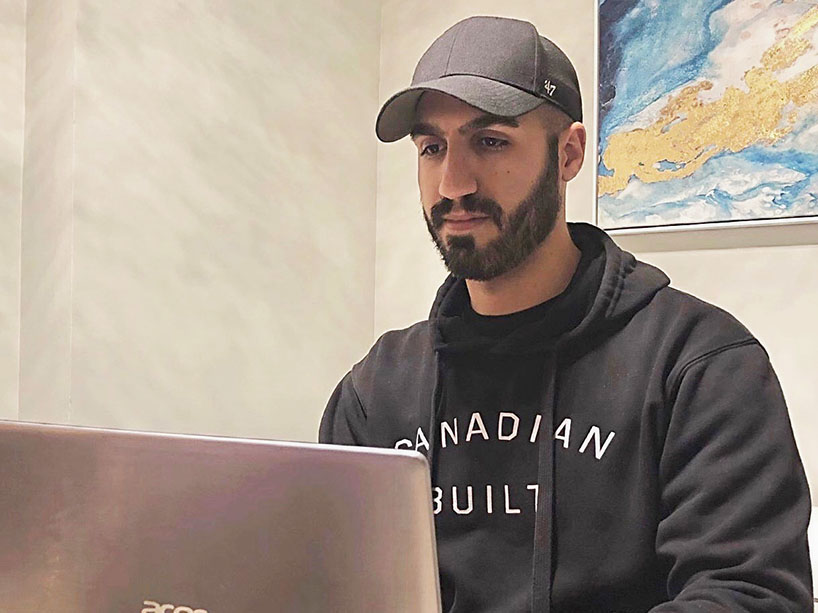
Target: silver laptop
[132,522]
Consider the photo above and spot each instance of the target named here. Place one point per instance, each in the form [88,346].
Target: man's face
[488,185]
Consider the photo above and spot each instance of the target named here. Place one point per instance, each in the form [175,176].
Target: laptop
[136,522]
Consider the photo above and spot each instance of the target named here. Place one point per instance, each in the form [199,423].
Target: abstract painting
[708,112]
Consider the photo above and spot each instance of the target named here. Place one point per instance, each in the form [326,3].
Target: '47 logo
[548,87]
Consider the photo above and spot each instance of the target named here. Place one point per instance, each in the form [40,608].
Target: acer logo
[155,607]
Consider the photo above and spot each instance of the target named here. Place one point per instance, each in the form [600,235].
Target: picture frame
[718,132]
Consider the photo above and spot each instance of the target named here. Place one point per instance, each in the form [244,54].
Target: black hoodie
[622,447]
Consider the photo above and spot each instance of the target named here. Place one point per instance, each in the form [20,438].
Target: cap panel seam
[451,48]
[537,59]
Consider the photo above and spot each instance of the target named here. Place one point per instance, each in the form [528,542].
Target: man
[598,441]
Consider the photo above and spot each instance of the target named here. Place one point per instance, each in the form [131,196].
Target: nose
[457,179]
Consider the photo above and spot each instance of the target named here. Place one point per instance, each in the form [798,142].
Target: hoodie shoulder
[688,329]
[394,345]
[706,325]
[399,360]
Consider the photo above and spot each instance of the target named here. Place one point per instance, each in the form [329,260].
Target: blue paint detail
[659,51]
[802,161]
[604,171]
[666,165]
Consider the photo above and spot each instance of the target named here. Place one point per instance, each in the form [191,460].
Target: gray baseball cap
[501,66]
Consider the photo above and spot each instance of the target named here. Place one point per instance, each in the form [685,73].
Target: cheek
[428,189]
[427,208]
[508,185]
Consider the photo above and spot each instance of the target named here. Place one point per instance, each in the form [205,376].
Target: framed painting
[708,113]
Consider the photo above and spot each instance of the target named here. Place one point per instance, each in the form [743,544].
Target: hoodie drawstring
[544,519]
[437,401]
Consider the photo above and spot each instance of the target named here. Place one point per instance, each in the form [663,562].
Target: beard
[521,231]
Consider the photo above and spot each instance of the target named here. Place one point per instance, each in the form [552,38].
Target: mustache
[470,204]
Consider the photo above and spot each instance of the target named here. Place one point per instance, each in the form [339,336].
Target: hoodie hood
[627,285]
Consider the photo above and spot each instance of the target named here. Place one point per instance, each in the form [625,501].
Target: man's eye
[430,150]
[493,143]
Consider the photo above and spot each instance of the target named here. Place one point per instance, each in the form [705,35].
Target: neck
[544,274]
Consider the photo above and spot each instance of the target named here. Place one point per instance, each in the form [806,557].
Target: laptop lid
[118,521]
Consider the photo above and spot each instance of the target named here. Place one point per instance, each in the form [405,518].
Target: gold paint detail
[689,132]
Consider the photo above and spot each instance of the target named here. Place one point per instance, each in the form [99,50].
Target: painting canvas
[708,112]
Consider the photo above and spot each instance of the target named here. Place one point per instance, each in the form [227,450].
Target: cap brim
[397,115]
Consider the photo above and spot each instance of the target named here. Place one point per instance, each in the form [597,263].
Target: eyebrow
[483,121]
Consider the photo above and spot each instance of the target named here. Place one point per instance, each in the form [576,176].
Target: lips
[463,223]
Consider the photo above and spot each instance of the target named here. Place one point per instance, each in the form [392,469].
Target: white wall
[12,75]
[47,212]
[766,277]
[198,212]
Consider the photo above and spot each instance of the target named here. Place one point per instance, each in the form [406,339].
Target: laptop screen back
[102,520]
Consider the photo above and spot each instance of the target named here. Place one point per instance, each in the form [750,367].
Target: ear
[572,145]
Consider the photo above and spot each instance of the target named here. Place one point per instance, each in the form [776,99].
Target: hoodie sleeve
[344,419]
[735,503]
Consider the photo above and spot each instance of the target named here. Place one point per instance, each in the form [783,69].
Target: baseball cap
[501,66]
